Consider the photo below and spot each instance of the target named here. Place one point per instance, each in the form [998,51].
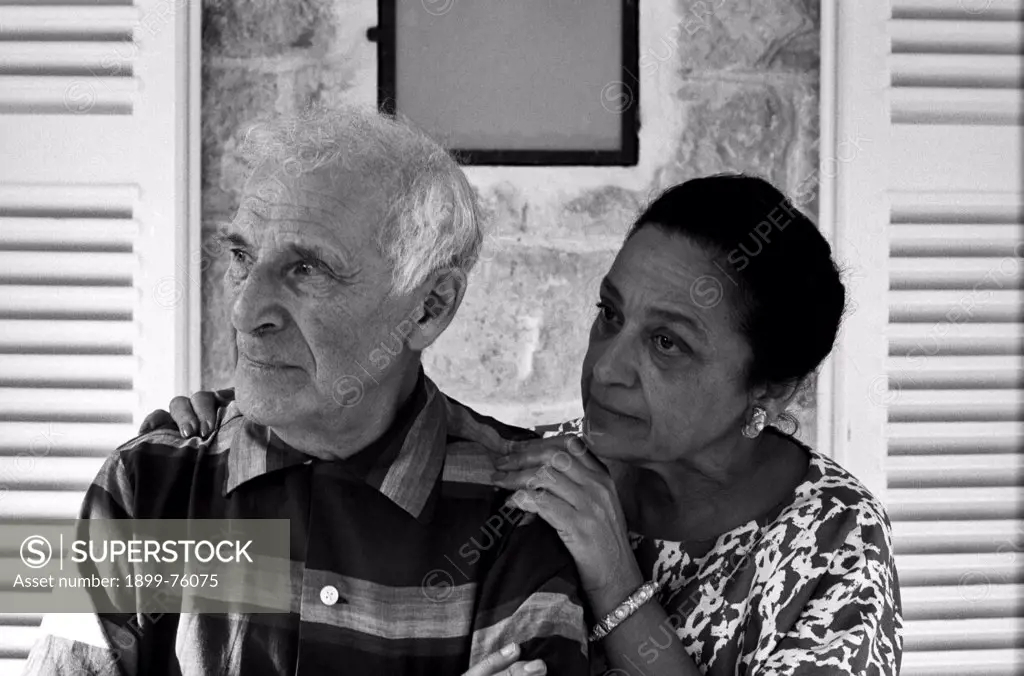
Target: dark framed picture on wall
[514,83]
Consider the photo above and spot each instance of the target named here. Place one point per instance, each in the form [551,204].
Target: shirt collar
[404,464]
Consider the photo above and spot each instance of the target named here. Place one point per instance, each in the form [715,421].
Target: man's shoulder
[473,440]
[168,442]
[470,424]
[153,462]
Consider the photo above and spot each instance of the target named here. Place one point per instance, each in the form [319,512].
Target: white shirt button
[329,595]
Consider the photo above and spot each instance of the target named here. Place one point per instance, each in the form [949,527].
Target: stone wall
[725,85]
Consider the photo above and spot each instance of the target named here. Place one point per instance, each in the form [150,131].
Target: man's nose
[257,307]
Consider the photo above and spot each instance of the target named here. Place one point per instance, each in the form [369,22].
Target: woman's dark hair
[791,296]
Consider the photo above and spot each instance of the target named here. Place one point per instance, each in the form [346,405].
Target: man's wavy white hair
[432,219]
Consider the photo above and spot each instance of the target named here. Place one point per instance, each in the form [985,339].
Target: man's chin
[267,405]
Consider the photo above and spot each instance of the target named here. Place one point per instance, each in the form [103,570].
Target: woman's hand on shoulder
[505,662]
[190,415]
[560,480]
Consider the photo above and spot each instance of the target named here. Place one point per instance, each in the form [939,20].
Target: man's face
[309,295]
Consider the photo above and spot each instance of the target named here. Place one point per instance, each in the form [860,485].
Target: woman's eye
[666,344]
[604,312]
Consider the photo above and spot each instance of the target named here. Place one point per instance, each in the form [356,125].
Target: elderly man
[349,256]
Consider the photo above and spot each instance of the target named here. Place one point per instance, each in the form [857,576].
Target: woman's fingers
[503,663]
[544,479]
[184,416]
[568,454]
[534,668]
[191,416]
[157,419]
[204,407]
[556,511]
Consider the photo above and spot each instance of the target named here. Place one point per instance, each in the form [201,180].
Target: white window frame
[852,387]
[171,286]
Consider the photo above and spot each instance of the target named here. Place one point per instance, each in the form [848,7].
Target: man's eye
[308,268]
[239,256]
[605,312]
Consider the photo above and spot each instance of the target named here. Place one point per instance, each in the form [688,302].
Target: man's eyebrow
[227,237]
[312,252]
[307,251]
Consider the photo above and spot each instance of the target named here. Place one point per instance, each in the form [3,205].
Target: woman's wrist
[609,597]
[640,597]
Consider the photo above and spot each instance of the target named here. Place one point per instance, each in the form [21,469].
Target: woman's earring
[756,424]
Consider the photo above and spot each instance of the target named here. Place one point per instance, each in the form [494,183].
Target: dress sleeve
[574,426]
[850,622]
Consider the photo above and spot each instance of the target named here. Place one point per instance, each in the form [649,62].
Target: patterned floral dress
[808,588]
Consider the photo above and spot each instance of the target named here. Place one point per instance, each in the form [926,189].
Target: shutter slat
[63,438]
[38,335]
[60,266]
[66,95]
[954,437]
[974,275]
[959,372]
[30,505]
[955,339]
[937,105]
[25,402]
[1004,662]
[67,301]
[955,503]
[922,36]
[957,70]
[956,537]
[71,199]
[956,602]
[70,369]
[940,239]
[59,21]
[50,474]
[956,205]
[47,233]
[962,635]
[977,10]
[956,470]
[956,405]
[951,569]
[984,304]
[17,641]
[90,58]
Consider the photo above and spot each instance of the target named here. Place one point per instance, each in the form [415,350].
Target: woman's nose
[616,364]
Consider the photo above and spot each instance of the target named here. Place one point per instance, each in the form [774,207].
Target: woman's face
[664,375]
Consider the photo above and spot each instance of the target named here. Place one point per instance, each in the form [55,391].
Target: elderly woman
[708,540]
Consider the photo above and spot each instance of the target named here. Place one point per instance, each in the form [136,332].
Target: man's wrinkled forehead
[278,191]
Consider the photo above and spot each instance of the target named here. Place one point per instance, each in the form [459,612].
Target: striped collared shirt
[431,570]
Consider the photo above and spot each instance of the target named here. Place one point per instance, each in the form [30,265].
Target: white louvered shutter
[97,300]
[944,217]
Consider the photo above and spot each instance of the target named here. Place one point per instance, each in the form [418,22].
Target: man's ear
[445,291]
